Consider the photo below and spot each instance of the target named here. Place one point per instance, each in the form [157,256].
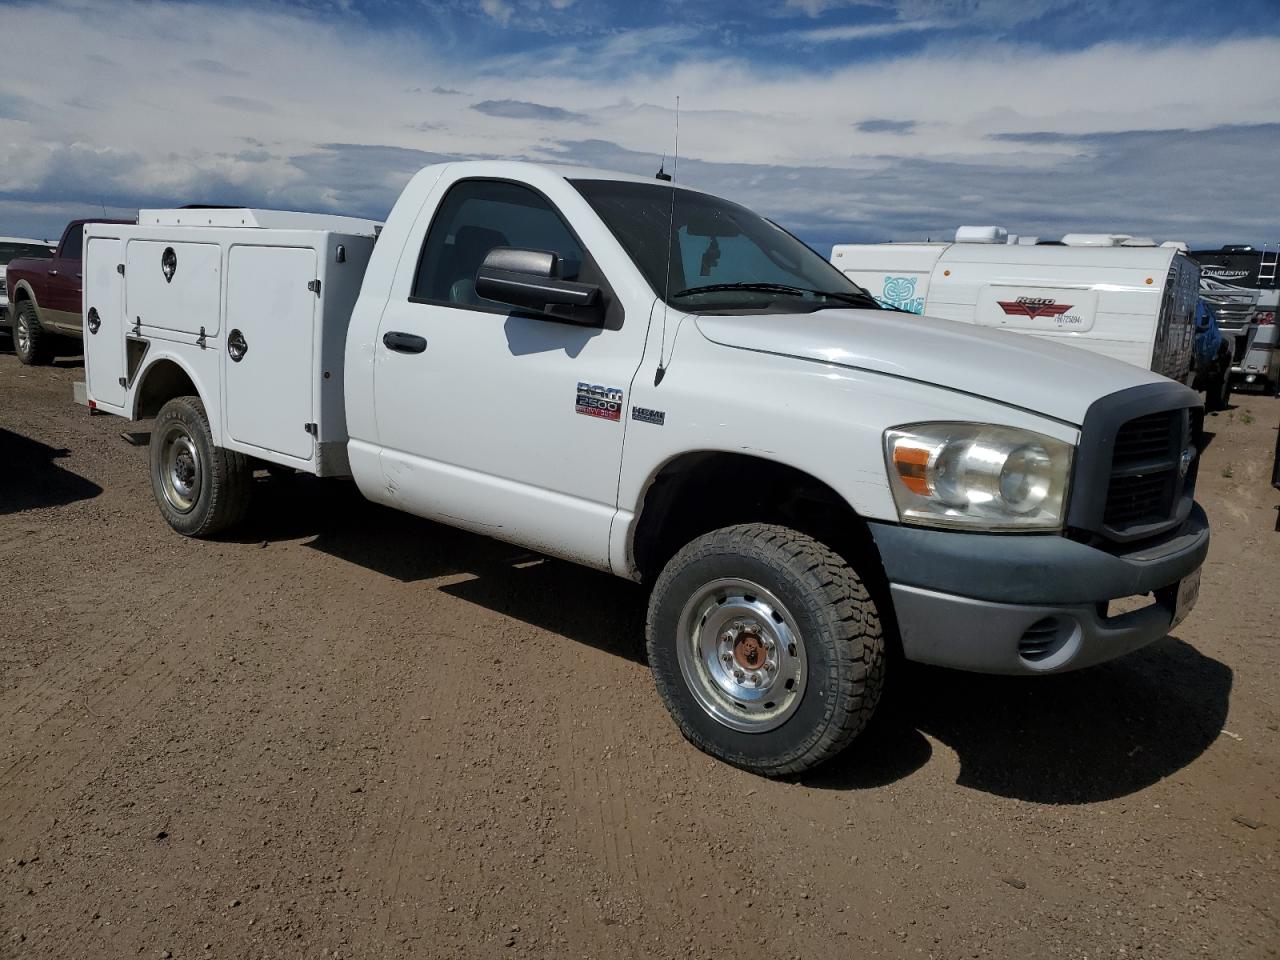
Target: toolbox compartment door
[104,350]
[271,311]
[174,285]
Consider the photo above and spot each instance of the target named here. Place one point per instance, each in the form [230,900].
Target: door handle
[52,272]
[404,342]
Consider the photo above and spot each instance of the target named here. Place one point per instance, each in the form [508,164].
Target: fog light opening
[1043,639]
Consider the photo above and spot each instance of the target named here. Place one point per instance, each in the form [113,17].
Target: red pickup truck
[44,296]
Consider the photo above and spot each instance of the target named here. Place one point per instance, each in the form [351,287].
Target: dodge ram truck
[14,248]
[653,381]
[44,297]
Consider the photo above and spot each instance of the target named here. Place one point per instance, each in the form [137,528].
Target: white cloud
[816,8]
[168,96]
[499,10]
[869,30]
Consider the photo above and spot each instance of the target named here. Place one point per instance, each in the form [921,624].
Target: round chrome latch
[169,263]
[93,321]
[237,346]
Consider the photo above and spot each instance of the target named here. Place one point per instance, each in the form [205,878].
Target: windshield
[14,251]
[723,257]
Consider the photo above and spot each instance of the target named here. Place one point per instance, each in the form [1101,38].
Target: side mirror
[531,279]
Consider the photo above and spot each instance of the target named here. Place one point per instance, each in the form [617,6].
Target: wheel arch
[23,293]
[696,492]
[160,380]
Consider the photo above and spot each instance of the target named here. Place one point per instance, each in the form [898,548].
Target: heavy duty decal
[1033,307]
[597,401]
[645,415]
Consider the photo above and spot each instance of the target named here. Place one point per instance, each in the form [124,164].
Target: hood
[1011,368]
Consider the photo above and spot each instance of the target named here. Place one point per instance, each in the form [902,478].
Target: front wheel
[766,648]
[201,488]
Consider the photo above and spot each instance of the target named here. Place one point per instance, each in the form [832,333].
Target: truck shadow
[1098,734]
[31,478]
[498,576]
[1076,738]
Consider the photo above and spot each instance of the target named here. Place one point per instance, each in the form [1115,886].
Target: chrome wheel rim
[21,334]
[741,655]
[180,469]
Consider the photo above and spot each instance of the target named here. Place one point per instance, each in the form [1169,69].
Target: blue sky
[890,119]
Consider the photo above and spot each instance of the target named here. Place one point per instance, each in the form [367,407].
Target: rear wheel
[31,342]
[201,488]
[765,647]
[1217,393]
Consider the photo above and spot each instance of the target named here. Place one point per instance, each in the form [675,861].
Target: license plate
[1188,593]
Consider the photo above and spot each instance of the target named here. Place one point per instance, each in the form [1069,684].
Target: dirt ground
[350,733]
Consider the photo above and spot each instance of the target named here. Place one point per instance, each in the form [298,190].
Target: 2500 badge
[597,401]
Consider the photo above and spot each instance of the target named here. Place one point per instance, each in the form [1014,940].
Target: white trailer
[1101,292]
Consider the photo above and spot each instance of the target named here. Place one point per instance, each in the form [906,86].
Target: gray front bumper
[1029,604]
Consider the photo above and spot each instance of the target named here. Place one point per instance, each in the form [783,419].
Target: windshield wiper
[759,286]
[862,299]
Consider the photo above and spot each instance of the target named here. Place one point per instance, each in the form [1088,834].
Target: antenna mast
[671,222]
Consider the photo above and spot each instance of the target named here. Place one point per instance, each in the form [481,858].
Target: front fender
[23,291]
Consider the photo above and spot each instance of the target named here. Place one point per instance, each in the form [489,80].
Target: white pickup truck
[658,383]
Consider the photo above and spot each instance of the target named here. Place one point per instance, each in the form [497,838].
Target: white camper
[1109,293]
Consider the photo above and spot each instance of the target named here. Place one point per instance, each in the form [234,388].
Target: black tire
[201,489]
[31,342]
[842,648]
[1217,393]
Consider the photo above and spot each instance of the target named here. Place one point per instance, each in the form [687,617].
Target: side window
[75,237]
[476,216]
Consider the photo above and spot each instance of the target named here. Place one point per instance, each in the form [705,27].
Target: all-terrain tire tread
[40,350]
[856,631]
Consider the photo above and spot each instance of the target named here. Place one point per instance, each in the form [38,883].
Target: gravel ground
[346,732]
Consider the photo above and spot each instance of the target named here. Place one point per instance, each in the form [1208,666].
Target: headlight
[978,476]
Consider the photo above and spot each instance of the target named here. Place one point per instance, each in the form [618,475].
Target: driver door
[478,404]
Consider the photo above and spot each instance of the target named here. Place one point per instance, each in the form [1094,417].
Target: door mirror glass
[533,280]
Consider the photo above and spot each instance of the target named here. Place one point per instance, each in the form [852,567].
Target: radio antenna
[671,225]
